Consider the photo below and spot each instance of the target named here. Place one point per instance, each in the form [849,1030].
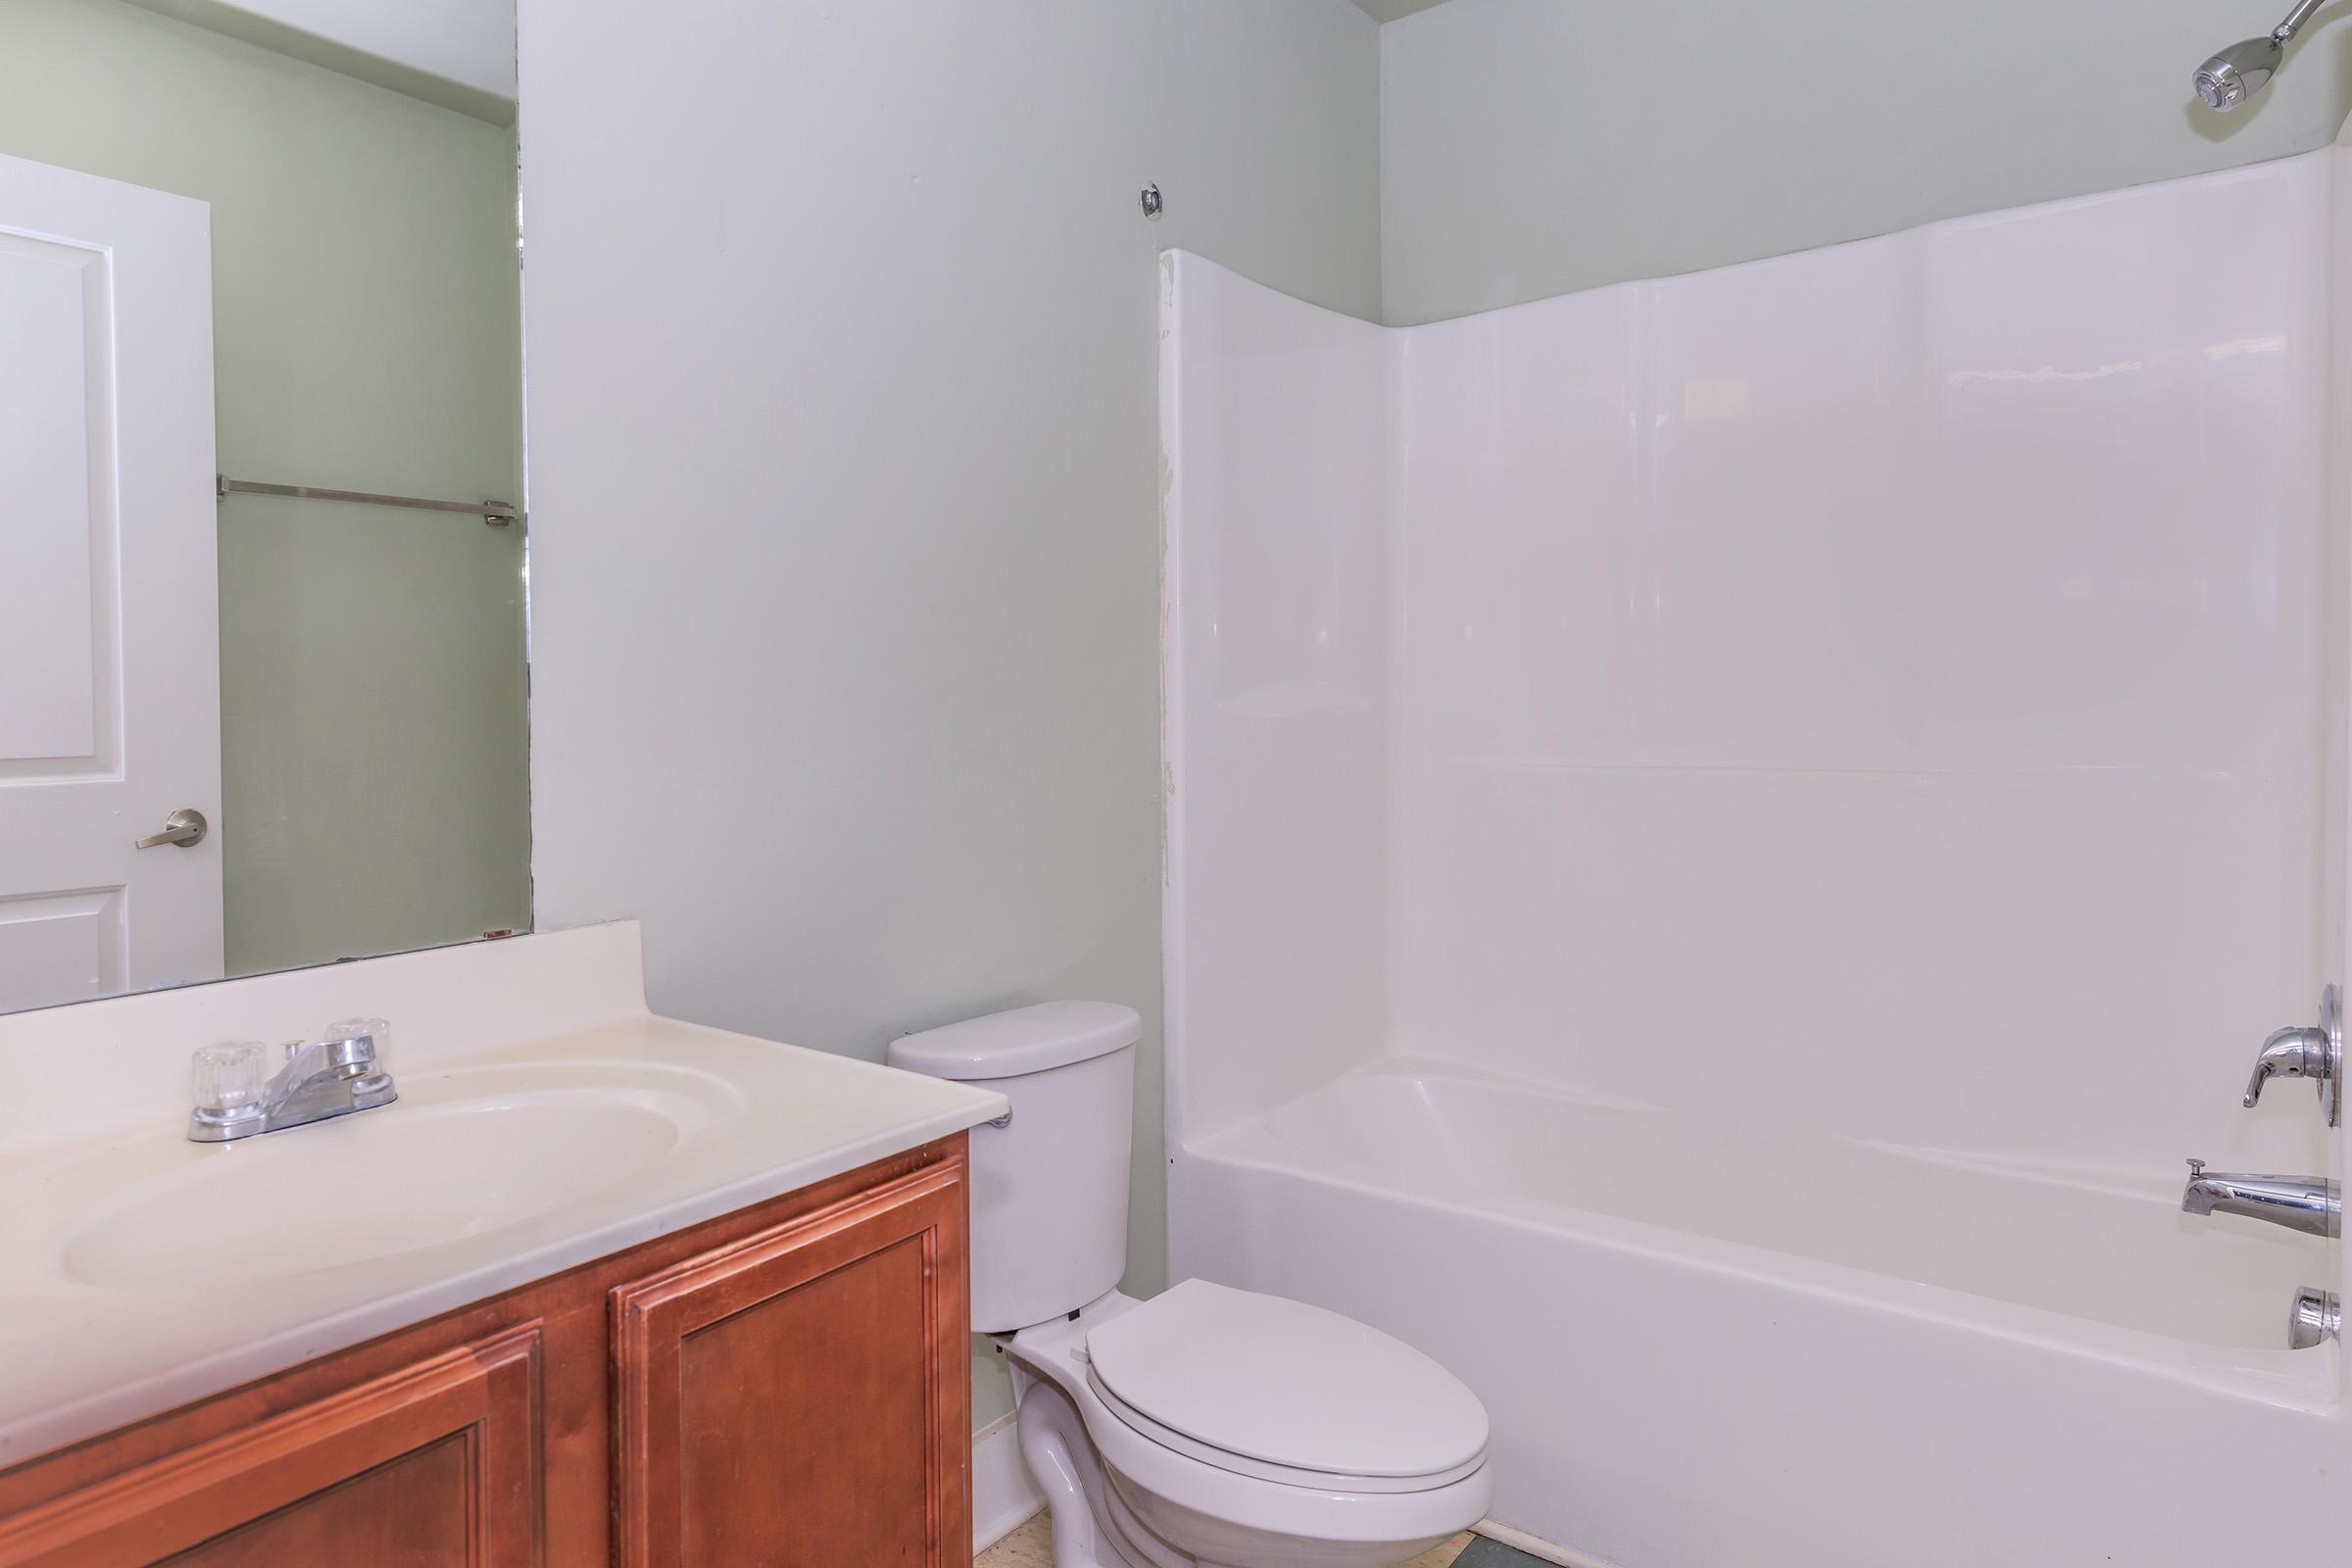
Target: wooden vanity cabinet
[784,1386]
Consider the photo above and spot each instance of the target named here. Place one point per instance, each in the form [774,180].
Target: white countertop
[108,1317]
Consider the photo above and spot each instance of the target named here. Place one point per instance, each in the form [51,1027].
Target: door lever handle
[184,827]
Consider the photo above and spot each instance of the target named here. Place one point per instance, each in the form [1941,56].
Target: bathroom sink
[460,1156]
[140,1270]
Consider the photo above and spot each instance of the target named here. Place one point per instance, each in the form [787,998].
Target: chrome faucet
[2299,1202]
[2317,1053]
[333,1075]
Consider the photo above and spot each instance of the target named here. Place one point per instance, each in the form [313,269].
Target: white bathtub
[1857,694]
[1708,1348]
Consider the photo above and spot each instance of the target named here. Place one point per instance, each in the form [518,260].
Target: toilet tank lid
[1026,1040]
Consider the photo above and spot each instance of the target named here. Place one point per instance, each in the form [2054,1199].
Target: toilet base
[1087,1534]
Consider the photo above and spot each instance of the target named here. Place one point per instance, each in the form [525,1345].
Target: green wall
[1533,147]
[844,468]
[366,331]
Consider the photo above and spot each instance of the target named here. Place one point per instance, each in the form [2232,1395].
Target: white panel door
[110,661]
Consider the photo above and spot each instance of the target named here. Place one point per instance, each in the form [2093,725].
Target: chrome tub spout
[2304,1204]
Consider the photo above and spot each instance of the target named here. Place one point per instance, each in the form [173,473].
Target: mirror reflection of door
[270,242]
[110,717]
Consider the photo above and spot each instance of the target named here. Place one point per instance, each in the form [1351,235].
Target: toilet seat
[1275,1388]
[1327,1480]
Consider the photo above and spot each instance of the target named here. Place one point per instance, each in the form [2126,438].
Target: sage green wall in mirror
[366,337]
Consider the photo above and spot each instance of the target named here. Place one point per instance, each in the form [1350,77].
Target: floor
[1032,1547]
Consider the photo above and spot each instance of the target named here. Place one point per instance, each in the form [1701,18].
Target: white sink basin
[139,1270]
[459,1156]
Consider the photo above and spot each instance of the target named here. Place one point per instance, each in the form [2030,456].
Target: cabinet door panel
[799,1400]
[433,1466]
[407,1513]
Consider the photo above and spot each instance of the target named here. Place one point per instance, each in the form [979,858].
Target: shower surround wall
[1862,689]
[1780,803]
[1886,677]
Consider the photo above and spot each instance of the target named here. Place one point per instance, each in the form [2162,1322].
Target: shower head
[2238,73]
[2243,69]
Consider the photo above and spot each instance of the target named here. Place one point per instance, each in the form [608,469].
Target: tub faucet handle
[2305,1052]
[2288,1054]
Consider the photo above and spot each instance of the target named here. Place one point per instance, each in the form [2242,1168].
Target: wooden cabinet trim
[652,1318]
[487,1391]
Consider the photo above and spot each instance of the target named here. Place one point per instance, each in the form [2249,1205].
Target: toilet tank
[1050,1187]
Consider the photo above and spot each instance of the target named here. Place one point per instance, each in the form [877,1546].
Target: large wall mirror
[262,695]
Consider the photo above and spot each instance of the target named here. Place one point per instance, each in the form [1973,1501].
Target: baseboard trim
[1003,1498]
[1537,1547]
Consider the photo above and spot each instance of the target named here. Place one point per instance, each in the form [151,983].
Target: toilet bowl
[1205,1427]
[1159,1497]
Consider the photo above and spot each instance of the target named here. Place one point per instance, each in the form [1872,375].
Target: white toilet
[1205,1426]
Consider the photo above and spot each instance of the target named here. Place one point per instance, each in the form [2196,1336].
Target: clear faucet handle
[229,1078]
[354,1050]
[361,1028]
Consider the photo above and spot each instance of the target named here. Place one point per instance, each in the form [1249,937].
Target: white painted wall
[1531,147]
[1859,692]
[843,344]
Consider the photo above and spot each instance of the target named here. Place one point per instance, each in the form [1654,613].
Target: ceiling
[1390,10]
